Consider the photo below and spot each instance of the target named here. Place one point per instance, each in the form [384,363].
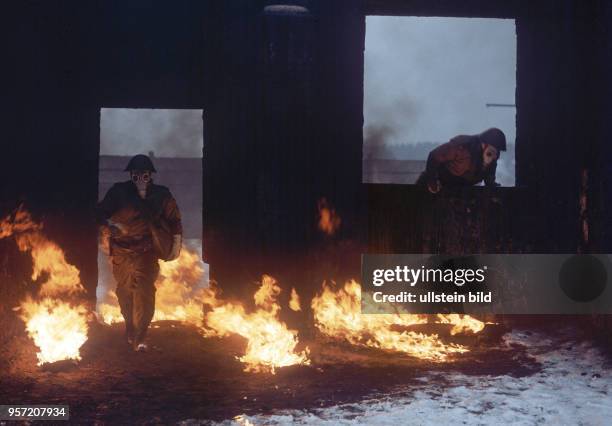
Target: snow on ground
[574,387]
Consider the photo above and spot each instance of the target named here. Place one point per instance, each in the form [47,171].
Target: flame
[270,344]
[179,294]
[20,222]
[294,301]
[329,221]
[110,312]
[58,328]
[242,420]
[461,323]
[338,314]
[48,258]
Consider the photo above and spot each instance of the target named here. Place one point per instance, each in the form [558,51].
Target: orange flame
[48,258]
[338,315]
[294,301]
[179,294]
[110,312]
[243,421]
[58,328]
[270,344]
[329,221]
[20,222]
[461,323]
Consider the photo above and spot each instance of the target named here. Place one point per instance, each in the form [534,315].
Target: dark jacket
[123,205]
[458,163]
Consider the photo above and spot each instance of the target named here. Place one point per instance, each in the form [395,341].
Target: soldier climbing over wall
[465,160]
[143,223]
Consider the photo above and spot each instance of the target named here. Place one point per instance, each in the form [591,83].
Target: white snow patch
[573,388]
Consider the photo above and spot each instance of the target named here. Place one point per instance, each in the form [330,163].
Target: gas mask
[489,155]
[141,179]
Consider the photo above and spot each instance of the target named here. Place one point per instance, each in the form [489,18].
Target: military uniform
[134,259]
[458,163]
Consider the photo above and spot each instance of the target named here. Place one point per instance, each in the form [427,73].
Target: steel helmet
[494,137]
[140,162]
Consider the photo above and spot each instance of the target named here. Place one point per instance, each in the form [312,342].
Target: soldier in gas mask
[144,224]
[464,161]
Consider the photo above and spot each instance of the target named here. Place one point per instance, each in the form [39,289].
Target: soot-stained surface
[186,376]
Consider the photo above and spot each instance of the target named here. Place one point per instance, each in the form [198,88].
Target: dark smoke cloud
[168,133]
[429,79]
[393,115]
[374,138]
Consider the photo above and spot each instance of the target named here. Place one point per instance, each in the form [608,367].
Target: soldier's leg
[144,295]
[123,276]
[144,309]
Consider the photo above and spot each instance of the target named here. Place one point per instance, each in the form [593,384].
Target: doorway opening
[173,139]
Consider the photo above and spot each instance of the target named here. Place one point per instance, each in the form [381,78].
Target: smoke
[374,139]
[429,79]
[394,113]
[166,132]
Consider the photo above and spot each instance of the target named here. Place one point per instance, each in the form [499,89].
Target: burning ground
[526,378]
[185,376]
[215,359]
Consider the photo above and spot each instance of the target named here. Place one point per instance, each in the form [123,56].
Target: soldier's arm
[108,206]
[104,211]
[438,156]
[489,179]
[172,215]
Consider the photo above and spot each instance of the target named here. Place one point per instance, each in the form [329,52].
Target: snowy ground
[574,387]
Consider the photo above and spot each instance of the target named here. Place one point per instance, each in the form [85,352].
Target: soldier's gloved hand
[434,186]
[176,247]
[116,229]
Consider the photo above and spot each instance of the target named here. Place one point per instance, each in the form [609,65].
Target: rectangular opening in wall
[429,79]
[173,140]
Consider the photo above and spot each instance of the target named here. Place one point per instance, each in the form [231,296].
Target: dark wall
[285,133]
[408,219]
